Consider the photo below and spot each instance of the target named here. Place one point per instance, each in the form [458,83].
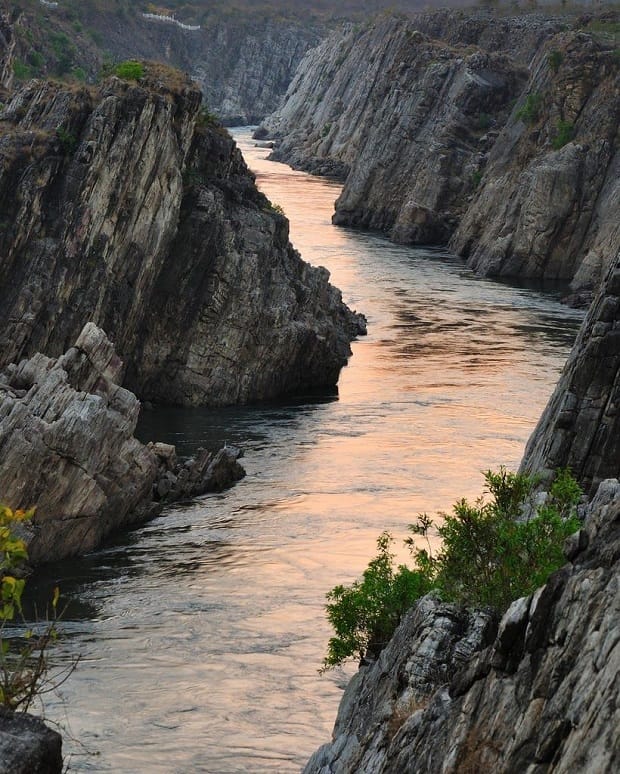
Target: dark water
[201,633]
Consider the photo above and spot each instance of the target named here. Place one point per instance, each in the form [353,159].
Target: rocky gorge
[128,208]
[498,137]
[127,213]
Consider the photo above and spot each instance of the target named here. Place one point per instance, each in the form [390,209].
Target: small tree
[493,551]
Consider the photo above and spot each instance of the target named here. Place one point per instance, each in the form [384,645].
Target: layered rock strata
[67,447]
[456,692]
[456,141]
[580,427]
[126,206]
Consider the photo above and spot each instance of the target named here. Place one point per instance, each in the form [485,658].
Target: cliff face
[549,197]
[580,427]
[455,692]
[455,141]
[125,206]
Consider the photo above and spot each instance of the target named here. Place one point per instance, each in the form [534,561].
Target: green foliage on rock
[493,551]
[24,670]
[555,59]
[365,614]
[130,70]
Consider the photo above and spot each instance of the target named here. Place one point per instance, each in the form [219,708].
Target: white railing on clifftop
[170,20]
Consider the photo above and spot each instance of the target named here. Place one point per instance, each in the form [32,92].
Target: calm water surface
[201,633]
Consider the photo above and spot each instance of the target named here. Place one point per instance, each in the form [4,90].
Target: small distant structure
[48,3]
[170,20]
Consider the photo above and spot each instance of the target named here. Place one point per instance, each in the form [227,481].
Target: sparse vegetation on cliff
[492,553]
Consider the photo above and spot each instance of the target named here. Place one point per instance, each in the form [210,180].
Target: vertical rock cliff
[457,141]
[549,198]
[580,427]
[126,206]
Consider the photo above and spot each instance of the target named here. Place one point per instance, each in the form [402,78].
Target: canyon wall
[125,205]
[580,427]
[500,140]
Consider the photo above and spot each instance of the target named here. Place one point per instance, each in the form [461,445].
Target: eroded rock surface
[454,692]
[126,206]
[67,447]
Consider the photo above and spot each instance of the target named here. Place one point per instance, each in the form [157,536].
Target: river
[201,633]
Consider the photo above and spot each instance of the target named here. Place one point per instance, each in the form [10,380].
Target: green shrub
[130,70]
[68,140]
[530,111]
[565,131]
[21,70]
[25,673]
[492,553]
[365,614]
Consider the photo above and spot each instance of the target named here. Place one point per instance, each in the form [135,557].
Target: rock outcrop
[28,746]
[126,206]
[7,47]
[67,447]
[580,427]
[457,141]
[456,692]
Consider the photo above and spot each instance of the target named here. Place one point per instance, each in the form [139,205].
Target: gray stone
[27,745]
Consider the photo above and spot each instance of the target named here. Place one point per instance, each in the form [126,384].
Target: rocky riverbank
[457,691]
[496,136]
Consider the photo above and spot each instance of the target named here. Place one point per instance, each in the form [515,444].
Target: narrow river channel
[201,633]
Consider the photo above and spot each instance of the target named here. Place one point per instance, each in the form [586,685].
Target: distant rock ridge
[456,141]
[127,206]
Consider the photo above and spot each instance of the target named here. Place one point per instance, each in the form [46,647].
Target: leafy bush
[21,70]
[68,140]
[130,70]
[492,553]
[365,614]
[530,111]
[24,669]
[565,131]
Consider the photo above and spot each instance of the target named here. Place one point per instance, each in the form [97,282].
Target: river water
[201,633]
